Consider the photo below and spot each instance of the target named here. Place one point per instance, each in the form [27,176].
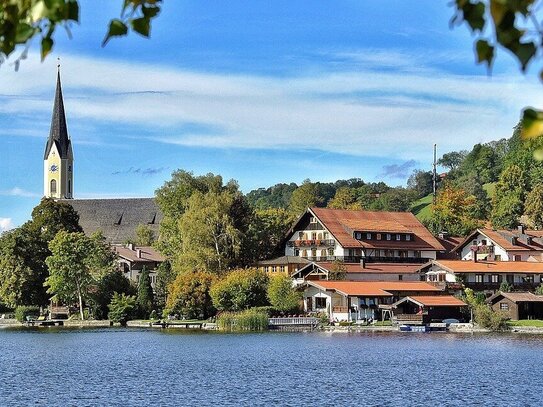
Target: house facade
[486,275]
[325,235]
[359,300]
[132,259]
[502,245]
[518,305]
[425,309]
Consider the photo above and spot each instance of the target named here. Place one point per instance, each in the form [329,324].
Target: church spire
[59,131]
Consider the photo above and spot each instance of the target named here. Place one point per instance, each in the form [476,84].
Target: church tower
[58,160]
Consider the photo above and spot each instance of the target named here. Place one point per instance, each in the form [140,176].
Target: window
[494,278]
[417,254]
[389,236]
[517,257]
[320,302]
[504,306]
[314,252]
[330,252]
[323,253]
[498,257]
[378,236]
[53,189]
[478,278]
[398,237]
[69,186]
[300,235]
[474,243]
[312,219]
[296,252]
[282,269]
[400,277]
[358,235]
[407,238]
[368,236]
[528,279]
[314,236]
[304,253]
[483,242]
[402,253]
[274,269]
[325,235]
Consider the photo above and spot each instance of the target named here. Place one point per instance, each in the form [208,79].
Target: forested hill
[498,183]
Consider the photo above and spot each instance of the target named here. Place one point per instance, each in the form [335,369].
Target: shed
[518,305]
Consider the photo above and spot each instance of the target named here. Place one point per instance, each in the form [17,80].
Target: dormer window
[398,237]
[378,236]
[368,236]
[312,219]
[389,236]
[407,238]
[358,235]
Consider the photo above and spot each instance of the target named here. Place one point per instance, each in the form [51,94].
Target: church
[117,219]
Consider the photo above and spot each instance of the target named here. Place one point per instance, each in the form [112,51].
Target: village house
[518,305]
[324,235]
[132,259]
[486,275]
[360,300]
[502,245]
[425,309]
[287,265]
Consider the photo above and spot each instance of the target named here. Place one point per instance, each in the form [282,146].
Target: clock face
[54,168]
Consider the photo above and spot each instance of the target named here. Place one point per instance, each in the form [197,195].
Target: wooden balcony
[312,243]
[340,309]
[409,318]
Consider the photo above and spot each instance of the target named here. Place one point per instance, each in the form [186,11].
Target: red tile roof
[438,301]
[386,268]
[148,254]
[468,266]
[373,288]
[502,238]
[342,223]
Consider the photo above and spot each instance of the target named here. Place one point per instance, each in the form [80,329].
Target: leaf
[73,10]
[116,29]
[485,52]
[141,25]
[525,52]
[24,33]
[46,47]
[497,11]
[474,14]
[150,12]
[532,123]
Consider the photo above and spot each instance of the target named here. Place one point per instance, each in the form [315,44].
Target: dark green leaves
[532,123]
[136,14]
[46,47]
[485,52]
[141,26]
[116,29]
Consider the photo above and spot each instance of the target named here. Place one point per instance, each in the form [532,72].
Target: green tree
[267,231]
[51,216]
[534,206]
[189,295]
[70,267]
[240,289]
[394,200]
[508,202]
[164,277]
[145,236]
[303,197]
[452,160]
[145,298]
[121,308]
[106,287]
[338,271]
[282,295]
[421,183]
[452,212]
[345,198]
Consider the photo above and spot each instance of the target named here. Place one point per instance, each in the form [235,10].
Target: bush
[486,317]
[23,311]
[282,295]
[240,289]
[189,296]
[121,308]
[248,320]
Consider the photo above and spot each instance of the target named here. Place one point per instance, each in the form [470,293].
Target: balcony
[312,243]
[368,260]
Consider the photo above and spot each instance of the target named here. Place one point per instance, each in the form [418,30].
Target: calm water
[133,367]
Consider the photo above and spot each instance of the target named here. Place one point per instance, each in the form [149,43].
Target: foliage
[144,235]
[345,198]
[121,308]
[338,271]
[106,286]
[508,202]
[164,277]
[267,231]
[534,206]
[51,216]
[145,298]
[277,196]
[421,183]
[240,289]
[282,295]
[23,20]
[303,197]
[539,290]
[452,212]
[23,311]
[486,317]
[505,287]
[248,320]
[394,200]
[189,295]
[452,160]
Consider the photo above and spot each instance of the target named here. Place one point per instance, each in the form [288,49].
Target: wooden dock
[293,323]
[44,322]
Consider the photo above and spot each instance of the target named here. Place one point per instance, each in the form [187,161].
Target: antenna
[434,173]
[58,64]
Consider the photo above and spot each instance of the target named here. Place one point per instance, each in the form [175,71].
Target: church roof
[117,219]
[59,130]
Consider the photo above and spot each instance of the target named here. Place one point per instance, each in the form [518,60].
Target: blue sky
[262,92]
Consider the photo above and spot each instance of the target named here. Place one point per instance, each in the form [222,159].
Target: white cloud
[397,113]
[16,191]
[6,224]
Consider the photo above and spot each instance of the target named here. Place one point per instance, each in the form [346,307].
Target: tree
[338,271]
[21,21]
[145,297]
[189,295]
[303,197]
[164,277]
[345,198]
[534,206]
[240,289]
[395,200]
[70,267]
[51,216]
[508,202]
[452,212]
[121,308]
[106,287]
[144,235]
[282,295]
[452,160]
[421,183]
[267,231]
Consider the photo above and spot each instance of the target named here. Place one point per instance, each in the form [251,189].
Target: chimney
[521,229]
[362,263]
[138,253]
[443,235]
[130,246]
[474,254]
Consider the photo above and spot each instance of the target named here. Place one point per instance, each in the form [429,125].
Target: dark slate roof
[59,130]
[117,218]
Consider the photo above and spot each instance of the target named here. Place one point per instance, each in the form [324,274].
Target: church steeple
[58,157]
[59,131]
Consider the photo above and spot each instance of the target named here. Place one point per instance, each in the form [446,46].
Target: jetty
[293,323]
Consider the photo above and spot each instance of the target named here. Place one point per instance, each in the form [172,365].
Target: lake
[114,367]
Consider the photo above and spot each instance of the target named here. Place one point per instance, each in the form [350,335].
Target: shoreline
[141,324]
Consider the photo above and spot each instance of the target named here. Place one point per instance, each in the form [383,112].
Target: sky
[259,91]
